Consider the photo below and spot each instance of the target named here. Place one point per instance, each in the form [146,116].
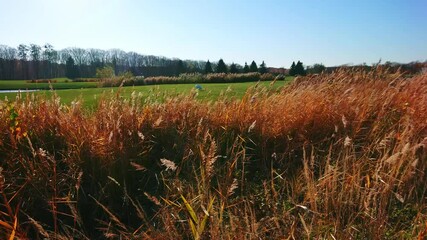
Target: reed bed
[332,156]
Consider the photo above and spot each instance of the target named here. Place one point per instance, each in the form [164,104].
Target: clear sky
[332,32]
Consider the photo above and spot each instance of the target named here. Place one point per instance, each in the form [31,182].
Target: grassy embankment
[335,156]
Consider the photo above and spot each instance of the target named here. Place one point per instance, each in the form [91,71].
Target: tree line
[221,67]
[41,62]
[298,69]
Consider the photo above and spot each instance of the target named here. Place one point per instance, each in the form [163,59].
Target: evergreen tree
[262,68]
[208,67]
[233,68]
[221,68]
[246,68]
[316,68]
[299,69]
[292,69]
[181,68]
[70,68]
[253,67]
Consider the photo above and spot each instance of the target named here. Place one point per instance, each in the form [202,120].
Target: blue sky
[332,32]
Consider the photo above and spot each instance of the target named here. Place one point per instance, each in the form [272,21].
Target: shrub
[42,81]
[161,80]
[135,81]
[125,78]
[232,77]
[86,80]
[245,77]
[280,77]
[191,77]
[216,78]
[208,78]
[267,77]
[106,72]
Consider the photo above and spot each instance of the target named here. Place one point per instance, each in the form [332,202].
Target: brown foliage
[339,155]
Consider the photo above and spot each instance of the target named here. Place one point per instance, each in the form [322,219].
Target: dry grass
[335,156]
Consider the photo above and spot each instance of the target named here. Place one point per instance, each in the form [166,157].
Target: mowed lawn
[61,83]
[89,95]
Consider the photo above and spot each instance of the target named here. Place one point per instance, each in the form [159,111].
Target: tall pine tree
[253,67]
[262,68]
[246,68]
[233,68]
[292,69]
[299,69]
[221,68]
[70,68]
[208,67]
[181,68]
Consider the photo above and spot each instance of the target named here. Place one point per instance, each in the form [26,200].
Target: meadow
[57,83]
[329,156]
[88,94]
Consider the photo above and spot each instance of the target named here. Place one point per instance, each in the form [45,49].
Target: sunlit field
[88,95]
[55,83]
[328,156]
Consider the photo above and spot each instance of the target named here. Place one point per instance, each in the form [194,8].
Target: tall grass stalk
[339,156]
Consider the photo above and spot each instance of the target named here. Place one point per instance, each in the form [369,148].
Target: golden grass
[333,156]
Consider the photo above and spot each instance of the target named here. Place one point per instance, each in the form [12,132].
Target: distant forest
[43,62]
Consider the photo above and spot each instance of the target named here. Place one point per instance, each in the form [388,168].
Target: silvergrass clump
[339,155]
[208,78]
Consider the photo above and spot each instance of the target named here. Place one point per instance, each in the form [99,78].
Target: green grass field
[61,83]
[88,93]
